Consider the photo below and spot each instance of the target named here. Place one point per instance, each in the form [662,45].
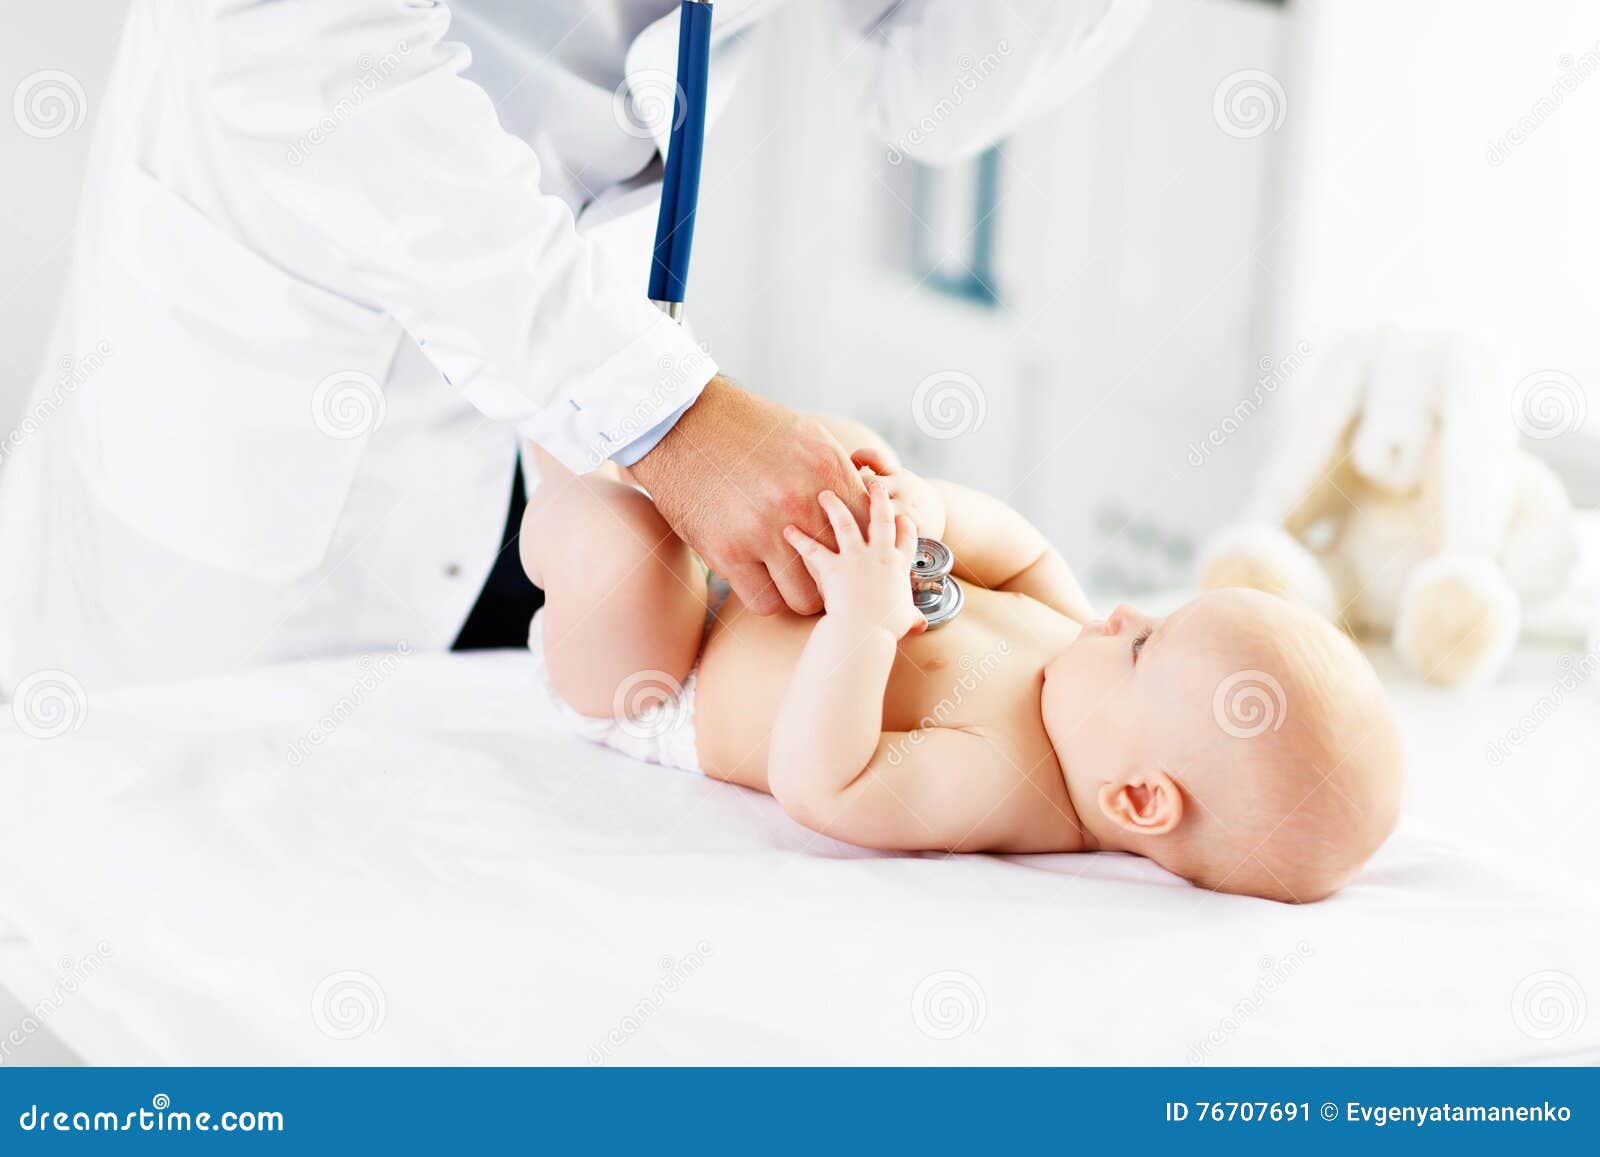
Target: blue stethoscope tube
[680,191]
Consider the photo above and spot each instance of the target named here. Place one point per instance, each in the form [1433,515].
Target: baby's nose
[1120,618]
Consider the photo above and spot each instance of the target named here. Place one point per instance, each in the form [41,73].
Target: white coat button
[453,570]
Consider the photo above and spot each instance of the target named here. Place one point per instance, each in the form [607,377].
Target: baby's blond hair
[1290,808]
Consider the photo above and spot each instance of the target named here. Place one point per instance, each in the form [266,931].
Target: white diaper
[653,718]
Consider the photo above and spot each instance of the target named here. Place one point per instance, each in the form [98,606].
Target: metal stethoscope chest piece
[936,594]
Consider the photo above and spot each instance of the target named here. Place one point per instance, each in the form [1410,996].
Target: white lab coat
[329,264]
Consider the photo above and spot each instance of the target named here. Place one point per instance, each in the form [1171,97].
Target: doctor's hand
[737,469]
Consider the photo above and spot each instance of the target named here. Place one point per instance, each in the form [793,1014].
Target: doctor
[330,265]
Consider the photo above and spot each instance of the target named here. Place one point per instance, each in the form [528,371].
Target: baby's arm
[832,766]
[997,548]
[994,546]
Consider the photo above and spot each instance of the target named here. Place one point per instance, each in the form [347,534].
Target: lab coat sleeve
[381,169]
[942,80]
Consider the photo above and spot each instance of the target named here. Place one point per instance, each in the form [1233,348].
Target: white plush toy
[1398,499]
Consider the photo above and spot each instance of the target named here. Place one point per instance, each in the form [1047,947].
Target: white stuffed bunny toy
[1398,499]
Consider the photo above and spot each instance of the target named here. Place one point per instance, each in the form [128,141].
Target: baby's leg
[623,593]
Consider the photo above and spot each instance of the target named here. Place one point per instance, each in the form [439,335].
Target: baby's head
[1242,742]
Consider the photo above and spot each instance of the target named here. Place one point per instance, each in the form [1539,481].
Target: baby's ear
[1143,803]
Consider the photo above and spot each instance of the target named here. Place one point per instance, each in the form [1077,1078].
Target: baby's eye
[1139,641]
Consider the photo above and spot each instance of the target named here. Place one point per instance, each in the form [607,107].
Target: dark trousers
[506,604]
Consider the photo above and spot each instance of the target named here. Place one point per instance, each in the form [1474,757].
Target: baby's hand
[912,494]
[868,582]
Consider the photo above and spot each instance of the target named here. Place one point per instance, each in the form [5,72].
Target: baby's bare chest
[983,670]
[970,673]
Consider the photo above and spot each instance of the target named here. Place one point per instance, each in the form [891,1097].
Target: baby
[1241,742]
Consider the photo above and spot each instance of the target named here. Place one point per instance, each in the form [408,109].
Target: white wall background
[1412,204]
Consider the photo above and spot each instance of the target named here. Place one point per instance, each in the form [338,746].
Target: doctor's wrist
[650,439]
[663,448]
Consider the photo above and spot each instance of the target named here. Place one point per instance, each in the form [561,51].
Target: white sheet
[506,893]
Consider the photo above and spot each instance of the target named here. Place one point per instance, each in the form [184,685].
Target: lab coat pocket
[237,400]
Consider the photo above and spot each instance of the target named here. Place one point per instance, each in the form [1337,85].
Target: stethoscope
[934,590]
[680,187]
